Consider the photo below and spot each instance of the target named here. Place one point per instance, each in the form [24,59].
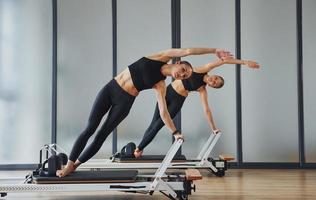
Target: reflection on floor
[241,184]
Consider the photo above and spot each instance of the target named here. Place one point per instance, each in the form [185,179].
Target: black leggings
[174,103]
[111,97]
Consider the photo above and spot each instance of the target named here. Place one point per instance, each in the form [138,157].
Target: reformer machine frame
[173,186]
[216,166]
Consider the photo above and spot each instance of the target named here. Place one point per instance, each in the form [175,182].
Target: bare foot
[138,153]
[65,171]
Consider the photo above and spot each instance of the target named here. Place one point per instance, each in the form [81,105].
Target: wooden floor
[260,184]
[238,184]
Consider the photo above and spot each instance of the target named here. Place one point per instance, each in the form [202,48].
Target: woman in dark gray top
[178,90]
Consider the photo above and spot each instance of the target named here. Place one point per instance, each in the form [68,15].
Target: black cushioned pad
[108,176]
[151,158]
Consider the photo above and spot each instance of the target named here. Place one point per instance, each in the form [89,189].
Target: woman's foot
[138,153]
[69,168]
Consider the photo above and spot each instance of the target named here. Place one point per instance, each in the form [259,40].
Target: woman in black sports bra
[178,90]
[118,95]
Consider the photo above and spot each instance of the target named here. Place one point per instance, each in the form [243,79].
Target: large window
[84,65]
[309,55]
[25,79]
[202,25]
[269,95]
[144,27]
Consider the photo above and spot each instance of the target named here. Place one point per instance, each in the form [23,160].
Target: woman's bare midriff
[124,80]
[179,88]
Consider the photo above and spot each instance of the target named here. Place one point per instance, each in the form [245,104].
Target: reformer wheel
[220,173]
[3,194]
[181,195]
[220,170]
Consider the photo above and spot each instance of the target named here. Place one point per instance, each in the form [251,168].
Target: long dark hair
[186,63]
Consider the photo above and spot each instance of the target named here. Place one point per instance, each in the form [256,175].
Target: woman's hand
[252,64]
[215,131]
[178,136]
[220,53]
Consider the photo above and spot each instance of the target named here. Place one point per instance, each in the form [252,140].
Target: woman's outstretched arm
[226,60]
[182,52]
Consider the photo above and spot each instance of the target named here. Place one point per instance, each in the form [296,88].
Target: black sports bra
[194,82]
[146,73]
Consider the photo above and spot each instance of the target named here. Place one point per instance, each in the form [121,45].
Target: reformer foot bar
[203,160]
[174,186]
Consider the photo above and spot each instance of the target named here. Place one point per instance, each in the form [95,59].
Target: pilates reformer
[174,185]
[217,166]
